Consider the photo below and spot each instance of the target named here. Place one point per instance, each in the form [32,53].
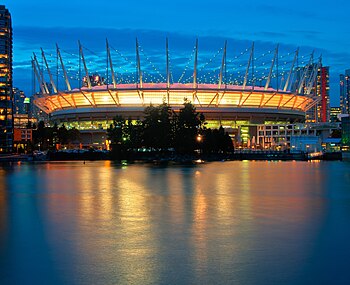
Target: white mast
[247,70]
[43,91]
[306,70]
[311,81]
[84,63]
[111,65]
[223,65]
[291,71]
[167,64]
[271,69]
[40,76]
[138,64]
[64,69]
[167,69]
[195,66]
[48,70]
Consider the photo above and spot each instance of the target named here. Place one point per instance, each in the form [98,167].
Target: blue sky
[306,24]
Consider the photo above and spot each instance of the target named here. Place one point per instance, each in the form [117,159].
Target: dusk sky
[321,25]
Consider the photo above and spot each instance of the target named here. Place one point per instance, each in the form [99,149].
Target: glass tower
[6,103]
[320,90]
[345,92]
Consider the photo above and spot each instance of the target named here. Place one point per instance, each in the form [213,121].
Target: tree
[135,134]
[63,135]
[39,135]
[188,126]
[73,135]
[116,132]
[42,136]
[336,133]
[47,137]
[157,126]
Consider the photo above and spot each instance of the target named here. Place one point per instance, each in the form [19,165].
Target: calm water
[217,223]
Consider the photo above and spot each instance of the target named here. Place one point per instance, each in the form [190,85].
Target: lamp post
[199,140]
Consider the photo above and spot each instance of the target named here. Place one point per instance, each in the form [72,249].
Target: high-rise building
[345,92]
[320,113]
[6,102]
[18,101]
[345,125]
[322,90]
[335,114]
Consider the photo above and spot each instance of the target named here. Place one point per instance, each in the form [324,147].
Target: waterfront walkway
[237,155]
[14,157]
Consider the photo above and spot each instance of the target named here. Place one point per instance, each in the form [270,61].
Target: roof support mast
[306,70]
[291,71]
[223,66]
[311,82]
[111,65]
[139,82]
[49,72]
[195,85]
[195,66]
[271,69]
[167,69]
[40,76]
[247,70]
[222,70]
[138,65]
[84,63]
[167,64]
[64,69]
[43,91]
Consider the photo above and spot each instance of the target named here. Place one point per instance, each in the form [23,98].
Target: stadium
[92,106]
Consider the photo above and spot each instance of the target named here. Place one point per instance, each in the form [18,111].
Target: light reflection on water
[216,223]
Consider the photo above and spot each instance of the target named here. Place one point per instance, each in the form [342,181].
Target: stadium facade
[92,107]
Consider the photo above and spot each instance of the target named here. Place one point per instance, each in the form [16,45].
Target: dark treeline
[162,131]
[47,138]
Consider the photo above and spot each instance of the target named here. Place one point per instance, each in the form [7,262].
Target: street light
[199,140]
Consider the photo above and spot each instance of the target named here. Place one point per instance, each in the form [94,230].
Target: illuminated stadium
[267,93]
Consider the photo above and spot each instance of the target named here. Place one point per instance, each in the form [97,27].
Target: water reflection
[3,206]
[232,222]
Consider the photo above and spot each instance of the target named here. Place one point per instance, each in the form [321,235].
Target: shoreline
[160,159]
